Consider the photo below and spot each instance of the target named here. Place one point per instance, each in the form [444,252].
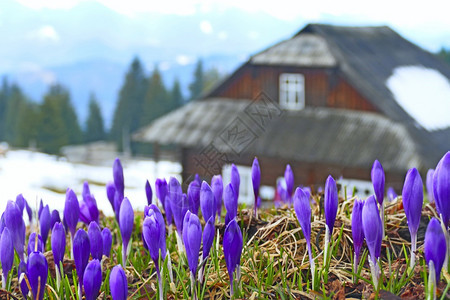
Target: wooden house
[329,100]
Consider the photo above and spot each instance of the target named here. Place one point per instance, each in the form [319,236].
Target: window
[292,91]
[246,185]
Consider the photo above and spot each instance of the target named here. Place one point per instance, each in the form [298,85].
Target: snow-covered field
[42,176]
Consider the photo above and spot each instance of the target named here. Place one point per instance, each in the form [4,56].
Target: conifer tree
[176,97]
[196,87]
[95,130]
[4,95]
[14,102]
[156,99]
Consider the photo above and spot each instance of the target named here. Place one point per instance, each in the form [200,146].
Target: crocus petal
[161,190]
[14,222]
[441,187]
[86,191]
[192,238]
[20,201]
[55,218]
[41,206]
[377,175]
[71,211]
[229,200]
[303,212]
[45,223]
[168,211]
[118,283]
[357,230]
[178,204]
[155,233]
[37,270]
[391,194]
[110,193]
[22,269]
[435,246]
[372,229]
[29,211]
[330,203]
[58,241]
[148,192]
[193,193]
[256,177]
[208,237]
[89,210]
[118,178]
[95,240]
[232,246]
[33,245]
[413,199]
[235,181]
[217,189]
[81,250]
[289,177]
[107,241]
[6,252]
[92,279]
[126,221]
[429,184]
[207,201]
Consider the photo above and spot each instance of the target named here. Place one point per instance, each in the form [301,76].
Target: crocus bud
[372,228]
[377,175]
[192,239]
[126,222]
[330,203]
[161,190]
[441,188]
[435,247]
[118,283]
[71,211]
[178,204]
[95,240]
[88,209]
[168,210]
[110,193]
[6,254]
[391,194]
[208,237]
[55,218]
[14,222]
[229,200]
[81,250]
[413,199]
[207,202]
[86,190]
[232,248]
[41,206]
[193,193]
[22,269]
[58,243]
[29,211]
[37,271]
[217,189]
[357,230]
[148,192]
[303,212]
[20,201]
[429,184]
[33,245]
[92,279]
[118,178]
[45,223]
[256,177]
[154,232]
[107,241]
[235,181]
[289,177]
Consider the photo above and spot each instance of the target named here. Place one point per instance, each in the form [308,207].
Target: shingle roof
[316,135]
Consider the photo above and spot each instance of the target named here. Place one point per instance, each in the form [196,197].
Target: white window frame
[246,185]
[292,91]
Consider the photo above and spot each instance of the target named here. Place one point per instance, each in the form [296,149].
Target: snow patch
[423,93]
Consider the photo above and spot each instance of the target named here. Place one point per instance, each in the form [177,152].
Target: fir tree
[4,95]
[176,97]
[14,103]
[156,99]
[95,130]
[196,87]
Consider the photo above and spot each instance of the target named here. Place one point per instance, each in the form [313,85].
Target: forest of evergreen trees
[53,122]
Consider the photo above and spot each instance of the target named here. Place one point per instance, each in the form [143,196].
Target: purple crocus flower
[126,222]
[92,279]
[331,202]
[22,270]
[303,211]
[217,189]
[357,231]
[81,251]
[232,249]
[178,204]
[34,245]
[168,211]
[192,238]
[289,178]
[20,201]
[161,191]
[372,228]
[391,194]
[110,193]
[95,240]
[435,248]
[88,209]
[207,201]
[377,175]
[193,193]
[58,241]
[429,183]
[6,254]
[37,271]
[412,202]
[45,223]
[441,188]
[107,241]
[118,178]
[41,206]
[14,222]
[55,218]
[71,211]
[148,192]
[256,180]
[230,202]
[208,237]
[118,284]
[235,181]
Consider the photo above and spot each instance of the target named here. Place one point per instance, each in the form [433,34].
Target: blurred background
[81,80]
